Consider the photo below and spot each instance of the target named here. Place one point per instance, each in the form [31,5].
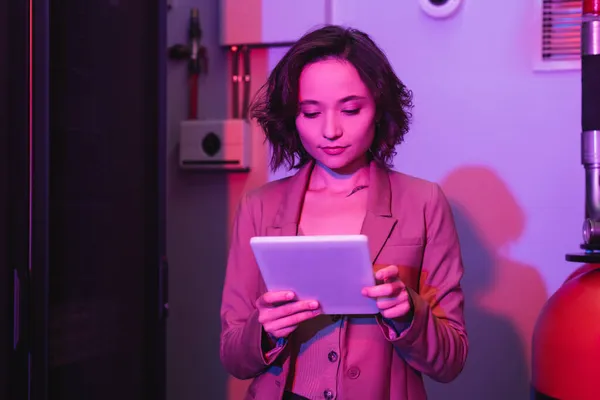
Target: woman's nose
[332,129]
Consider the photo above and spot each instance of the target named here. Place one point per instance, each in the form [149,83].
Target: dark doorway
[86,199]
[5,271]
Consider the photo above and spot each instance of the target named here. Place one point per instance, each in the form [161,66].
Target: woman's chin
[334,163]
[341,165]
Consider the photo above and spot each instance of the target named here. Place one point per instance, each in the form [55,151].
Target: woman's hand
[392,297]
[280,315]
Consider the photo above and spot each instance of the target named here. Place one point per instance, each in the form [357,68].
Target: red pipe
[591,7]
[193,92]
[195,33]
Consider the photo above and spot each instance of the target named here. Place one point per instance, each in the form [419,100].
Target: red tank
[566,340]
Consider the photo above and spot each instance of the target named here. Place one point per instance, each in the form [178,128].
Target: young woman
[334,109]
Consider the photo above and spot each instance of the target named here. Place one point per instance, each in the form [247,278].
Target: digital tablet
[330,269]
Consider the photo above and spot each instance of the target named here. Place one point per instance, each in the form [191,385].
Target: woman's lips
[334,150]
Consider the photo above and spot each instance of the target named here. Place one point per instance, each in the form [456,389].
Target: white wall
[503,141]
[197,222]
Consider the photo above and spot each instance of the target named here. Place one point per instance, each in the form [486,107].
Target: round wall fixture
[440,8]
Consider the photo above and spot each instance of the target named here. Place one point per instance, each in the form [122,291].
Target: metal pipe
[590,120]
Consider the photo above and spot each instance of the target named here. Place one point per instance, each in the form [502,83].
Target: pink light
[30,127]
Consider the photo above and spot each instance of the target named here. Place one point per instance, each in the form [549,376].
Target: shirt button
[332,356]
[353,373]
[328,394]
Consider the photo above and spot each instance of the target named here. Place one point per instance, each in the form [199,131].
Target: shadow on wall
[503,296]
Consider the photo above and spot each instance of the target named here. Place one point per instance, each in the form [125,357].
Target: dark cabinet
[82,188]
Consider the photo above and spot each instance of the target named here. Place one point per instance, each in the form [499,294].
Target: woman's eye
[352,112]
[311,115]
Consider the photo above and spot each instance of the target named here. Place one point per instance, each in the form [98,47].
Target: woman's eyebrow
[341,101]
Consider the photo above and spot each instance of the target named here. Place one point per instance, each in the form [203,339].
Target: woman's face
[336,119]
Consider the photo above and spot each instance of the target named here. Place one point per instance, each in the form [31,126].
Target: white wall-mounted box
[215,145]
[269,21]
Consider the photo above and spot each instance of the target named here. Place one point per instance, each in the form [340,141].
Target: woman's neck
[339,182]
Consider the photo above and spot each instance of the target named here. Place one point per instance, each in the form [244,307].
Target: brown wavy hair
[275,106]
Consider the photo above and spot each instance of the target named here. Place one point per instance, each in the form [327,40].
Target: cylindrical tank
[566,340]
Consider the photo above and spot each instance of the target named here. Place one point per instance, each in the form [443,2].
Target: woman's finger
[387,273]
[274,313]
[384,290]
[291,320]
[399,310]
[272,299]
[291,309]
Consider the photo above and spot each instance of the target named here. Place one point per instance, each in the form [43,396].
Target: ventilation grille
[561,34]
[561,30]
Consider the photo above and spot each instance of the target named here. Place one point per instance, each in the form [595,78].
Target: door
[106,249]
[86,199]
[22,257]
[5,272]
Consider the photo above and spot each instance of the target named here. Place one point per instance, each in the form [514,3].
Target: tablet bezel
[336,287]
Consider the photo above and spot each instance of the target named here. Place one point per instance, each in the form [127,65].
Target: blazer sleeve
[435,342]
[245,349]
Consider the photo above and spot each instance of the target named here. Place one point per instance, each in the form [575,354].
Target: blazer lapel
[288,214]
[378,223]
